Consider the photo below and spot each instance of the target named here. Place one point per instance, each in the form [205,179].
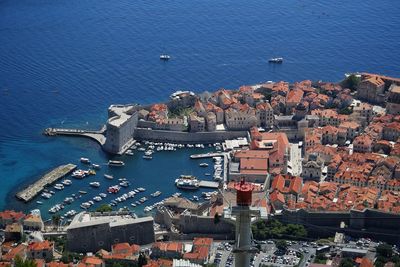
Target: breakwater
[32,190]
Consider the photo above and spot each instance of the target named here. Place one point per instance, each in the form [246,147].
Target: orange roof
[57,264]
[253,166]
[295,96]
[92,261]
[202,241]
[18,250]
[277,196]
[11,214]
[38,246]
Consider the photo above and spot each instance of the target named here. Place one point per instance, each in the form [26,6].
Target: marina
[32,190]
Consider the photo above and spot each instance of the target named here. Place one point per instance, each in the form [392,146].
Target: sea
[62,63]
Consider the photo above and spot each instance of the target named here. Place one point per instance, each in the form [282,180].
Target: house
[312,166]
[265,115]
[13,232]
[10,216]
[33,222]
[393,102]
[196,123]
[167,250]
[362,144]
[371,89]
[241,117]
[91,261]
[293,98]
[211,121]
[200,252]
[41,250]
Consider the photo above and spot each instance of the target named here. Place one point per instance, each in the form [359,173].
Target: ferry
[187,182]
[203,164]
[108,176]
[156,194]
[165,57]
[85,160]
[277,60]
[94,184]
[116,163]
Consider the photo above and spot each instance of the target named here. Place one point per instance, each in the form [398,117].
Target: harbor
[33,190]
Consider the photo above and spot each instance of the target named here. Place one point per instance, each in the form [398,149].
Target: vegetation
[274,229]
[345,111]
[351,82]
[346,262]
[71,257]
[179,112]
[56,219]
[384,254]
[281,245]
[142,260]
[24,263]
[60,242]
[104,208]
[217,218]
[320,258]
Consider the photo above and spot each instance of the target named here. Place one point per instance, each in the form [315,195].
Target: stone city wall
[185,137]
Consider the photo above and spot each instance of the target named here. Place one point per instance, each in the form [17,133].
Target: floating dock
[208,184]
[32,190]
[207,155]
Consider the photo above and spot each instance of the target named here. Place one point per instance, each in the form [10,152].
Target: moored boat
[116,163]
[85,160]
[108,176]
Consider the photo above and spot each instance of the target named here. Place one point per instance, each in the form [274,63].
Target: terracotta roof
[39,246]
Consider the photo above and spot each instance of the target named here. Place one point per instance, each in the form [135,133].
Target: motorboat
[82,192]
[103,195]
[94,184]
[203,164]
[80,174]
[46,195]
[59,186]
[97,198]
[129,152]
[116,163]
[66,182]
[156,194]
[70,213]
[165,57]
[124,184]
[85,160]
[276,60]
[96,166]
[147,157]
[108,176]
[114,189]
[68,200]
[39,202]
[141,189]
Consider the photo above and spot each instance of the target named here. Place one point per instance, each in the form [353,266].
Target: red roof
[39,246]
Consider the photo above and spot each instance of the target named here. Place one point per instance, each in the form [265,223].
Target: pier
[98,136]
[207,155]
[209,184]
[32,190]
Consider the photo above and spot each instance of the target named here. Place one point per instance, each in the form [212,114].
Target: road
[295,159]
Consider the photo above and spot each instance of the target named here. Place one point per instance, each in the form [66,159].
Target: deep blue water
[62,63]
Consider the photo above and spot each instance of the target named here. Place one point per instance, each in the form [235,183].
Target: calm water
[62,63]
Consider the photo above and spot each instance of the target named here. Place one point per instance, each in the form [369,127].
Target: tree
[216,218]
[56,219]
[351,82]
[142,260]
[281,245]
[19,262]
[104,208]
[384,250]
[346,262]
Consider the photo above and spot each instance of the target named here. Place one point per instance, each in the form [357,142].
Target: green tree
[142,260]
[281,244]
[19,262]
[351,82]
[320,258]
[217,218]
[346,262]
[104,208]
[384,250]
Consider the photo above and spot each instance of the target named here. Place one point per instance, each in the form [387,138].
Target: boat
[59,186]
[207,174]
[94,184]
[85,160]
[66,182]
[141,189]
[129,152]
[124,184]
[203,164]
[114,189]
[108,176]
[96,166]
[103,195]
[156,194]
[165,57]
[39,202]
[122,179]
[187,182]
[177,194]
[70,213]
[196,198]
[80,174]
[133,205]
[276,60]
[68,200]
[82,192]
[116,163]
[97,198]
[147,157]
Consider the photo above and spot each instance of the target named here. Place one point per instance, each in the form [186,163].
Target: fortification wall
[184,137]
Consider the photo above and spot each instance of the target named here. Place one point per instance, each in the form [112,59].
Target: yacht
[108,176]
[203,164]
[116,163]
[156,194]
[276,60]
[85,160]
[80,174]
[68,200]
[94,184]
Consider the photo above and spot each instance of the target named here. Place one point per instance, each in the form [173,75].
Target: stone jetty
[32,190]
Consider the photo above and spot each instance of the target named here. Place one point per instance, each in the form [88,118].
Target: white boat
[39,202]
[46,195]
[70,213]
[59,186]
[97,198]
[68,200]
[94,184]
[141,189]
[133,205]
[96,166]
[108,176]
[66,182]
[147,157]
[79,174]
[129,152]
[85,160]
[187,183]
[116,163]
[203,164]
[103,195]
[276,60]
[124,184]
[165,57]
[156,194]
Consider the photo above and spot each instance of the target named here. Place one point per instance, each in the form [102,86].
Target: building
[362,144]
[293,98]
[33,222]
[120,128]
[41,250]
[265,115]
[393,102]
[90,232]
[312,166]
[241,118]
[371,89]
[196,123]
[13,232]
[10,216]
[211,121]
[168,250]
